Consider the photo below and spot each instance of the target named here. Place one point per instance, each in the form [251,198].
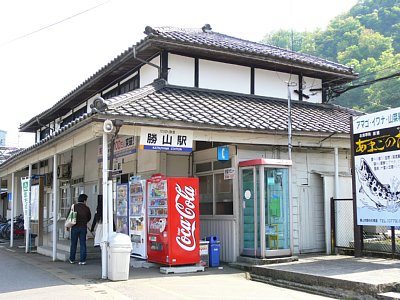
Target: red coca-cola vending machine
[173,233]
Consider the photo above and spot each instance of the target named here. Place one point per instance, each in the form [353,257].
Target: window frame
[215,172]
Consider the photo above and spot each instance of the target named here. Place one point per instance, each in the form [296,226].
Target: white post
[336,173]
[28,228]
[110,208]
[55,201]
[289,124]
[105,210]
[12,209]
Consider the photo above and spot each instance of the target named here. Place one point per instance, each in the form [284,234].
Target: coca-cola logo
[185,206]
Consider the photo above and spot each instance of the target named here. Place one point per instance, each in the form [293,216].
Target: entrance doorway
[265,226]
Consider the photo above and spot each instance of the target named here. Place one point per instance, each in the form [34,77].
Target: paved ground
[34,276]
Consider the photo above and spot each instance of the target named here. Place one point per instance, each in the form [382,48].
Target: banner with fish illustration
[376,139]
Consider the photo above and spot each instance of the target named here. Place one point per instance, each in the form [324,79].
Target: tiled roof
[213,39]
[231,110]
[207,44]
[214,109]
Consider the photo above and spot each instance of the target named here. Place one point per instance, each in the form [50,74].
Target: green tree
[369,44]
[381,16]
[292,40]
[385,93]
[366,38]
[341,33]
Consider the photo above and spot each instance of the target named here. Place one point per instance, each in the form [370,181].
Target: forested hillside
[367,38]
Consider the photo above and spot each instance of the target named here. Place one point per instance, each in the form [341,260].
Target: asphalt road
[33,276]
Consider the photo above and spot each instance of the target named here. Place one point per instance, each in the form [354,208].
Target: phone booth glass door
[265,226]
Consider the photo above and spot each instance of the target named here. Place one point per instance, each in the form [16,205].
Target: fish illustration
[378,196]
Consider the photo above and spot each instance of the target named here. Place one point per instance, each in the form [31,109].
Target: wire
[339,92]
[53,24]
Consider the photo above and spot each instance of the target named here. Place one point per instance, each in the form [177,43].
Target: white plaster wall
[91,165]
[226,77]
[147,161]
[274,84]
[181,70]
[78,162]
[312,83]
[149,73]
[177,165]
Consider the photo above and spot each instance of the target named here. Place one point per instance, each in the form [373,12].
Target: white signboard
[229,173]
[377,168]
[35,202]
[168,139]
[25,183]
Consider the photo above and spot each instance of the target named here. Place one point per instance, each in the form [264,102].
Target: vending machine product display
[137,217]
[122,208]
[173,234]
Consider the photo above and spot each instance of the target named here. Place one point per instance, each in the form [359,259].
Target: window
[44,133]
[77,190]
[123,88]
[216,193]
[65,202]
[223,195]
[206,195]
[76,114]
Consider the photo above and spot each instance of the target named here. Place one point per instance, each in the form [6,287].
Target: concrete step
[331,292]
[247,263]
[318,284]
[63,254]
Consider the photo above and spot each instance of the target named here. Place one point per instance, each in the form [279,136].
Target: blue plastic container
[214,249]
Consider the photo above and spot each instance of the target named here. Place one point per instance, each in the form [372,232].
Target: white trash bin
[119,251]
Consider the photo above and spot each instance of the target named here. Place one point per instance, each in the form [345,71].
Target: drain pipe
[336,172]
[55,205]
[28,215]
[118,125]
[105,211]
[328,216]
[12,209]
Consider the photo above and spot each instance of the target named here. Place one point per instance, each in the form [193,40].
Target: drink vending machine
[173,234]
[131,214]
[137,217]
[122,208]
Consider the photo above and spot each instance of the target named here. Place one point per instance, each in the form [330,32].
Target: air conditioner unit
[64,171]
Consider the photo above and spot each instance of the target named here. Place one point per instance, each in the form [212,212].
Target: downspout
[336,173]
[55,201]
[28,228]
[105,210]
[328,213]
[289,124]
[118,125]
[12,209]
[336,194]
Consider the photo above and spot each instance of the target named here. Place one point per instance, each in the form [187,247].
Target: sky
[49,47]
